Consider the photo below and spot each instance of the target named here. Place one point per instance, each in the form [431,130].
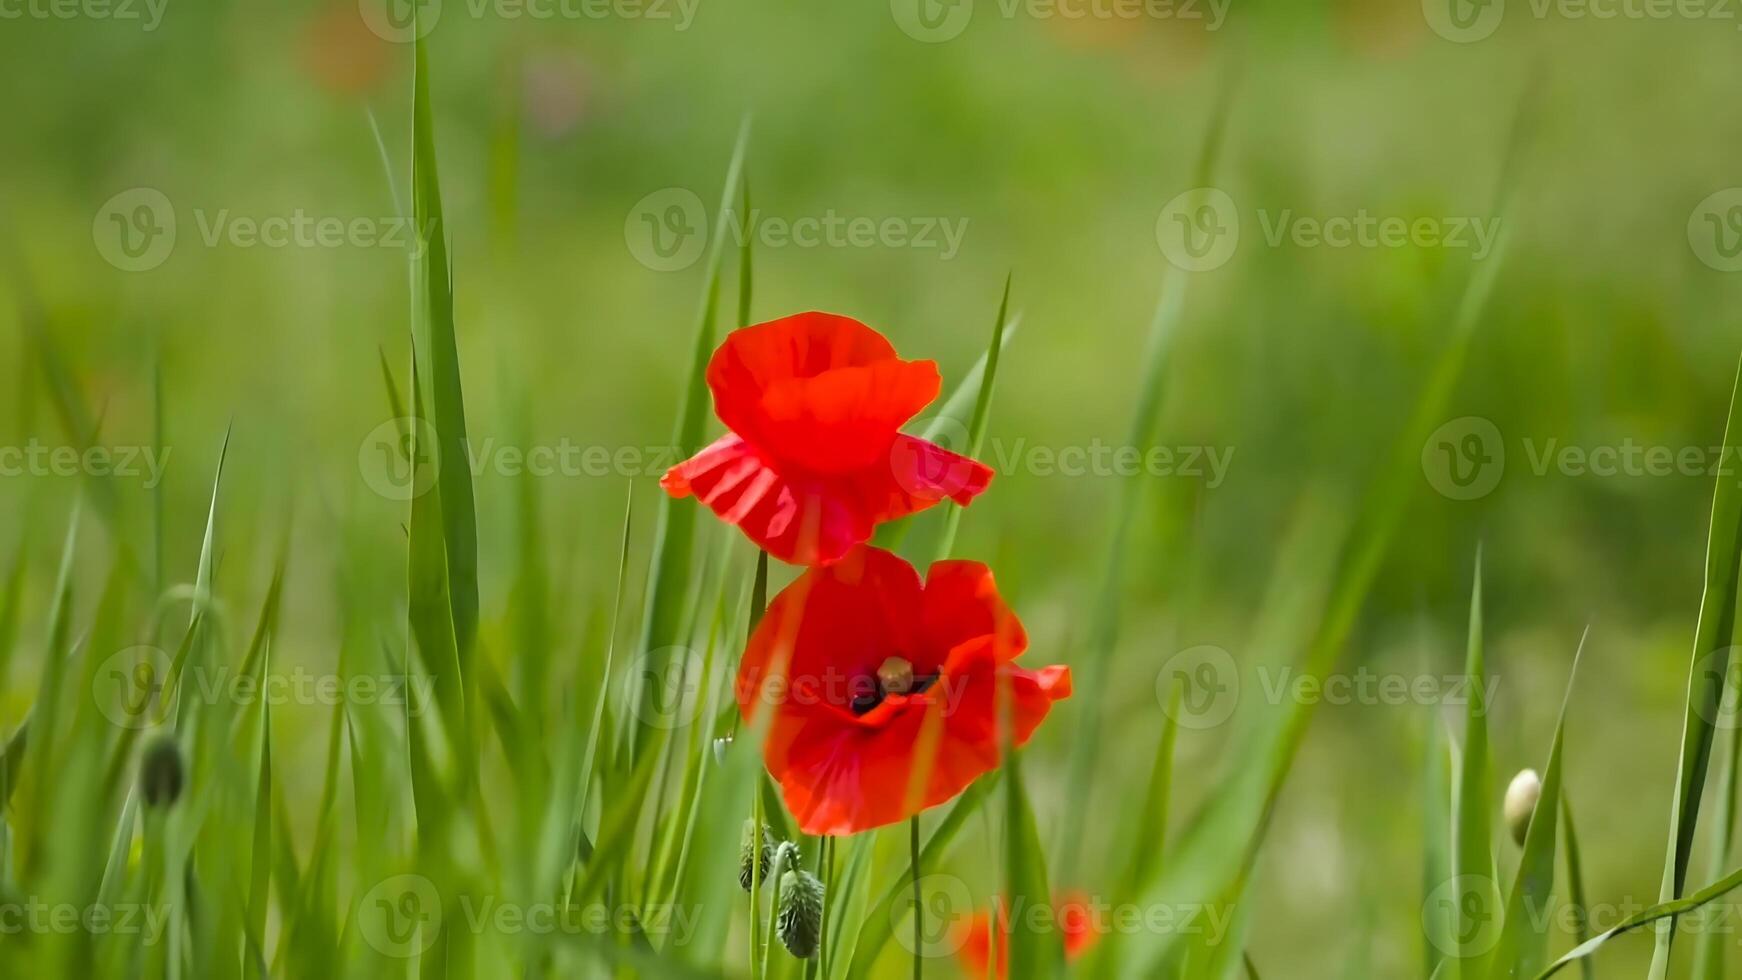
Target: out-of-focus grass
[1603,327]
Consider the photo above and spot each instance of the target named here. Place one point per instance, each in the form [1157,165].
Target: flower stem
[918,910]
[757,954]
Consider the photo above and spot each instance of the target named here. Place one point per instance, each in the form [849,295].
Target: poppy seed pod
[754,847]
[161,772]
[800,919]
[1521,796]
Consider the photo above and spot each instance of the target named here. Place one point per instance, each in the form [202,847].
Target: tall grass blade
[432,273]
[1035,949]
[1524,938]
[1657,913]
[1473,877]
[1105,621]
[1710,663]
[982,411]
[675,524]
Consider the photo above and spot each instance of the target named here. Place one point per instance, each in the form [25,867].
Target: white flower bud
[1521,796]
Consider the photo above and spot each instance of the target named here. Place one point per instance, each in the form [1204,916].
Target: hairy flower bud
[757,845]
[1521,796]
[800,919]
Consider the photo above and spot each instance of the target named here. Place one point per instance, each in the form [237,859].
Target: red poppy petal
[804,345]
[962,603]
[810,520]
[842,779]
[844,419]
[816,390]
[834,624]
[919,474]
[801,523]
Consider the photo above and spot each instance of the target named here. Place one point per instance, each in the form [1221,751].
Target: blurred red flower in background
[980,945]
[885,691]
[815,458]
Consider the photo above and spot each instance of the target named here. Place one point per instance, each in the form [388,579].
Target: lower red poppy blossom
[986,952]
[815,459]
[886,691]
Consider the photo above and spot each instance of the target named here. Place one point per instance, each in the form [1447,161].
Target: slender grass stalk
[1709,664]
[1576,887]
[918,906]
[1105,622]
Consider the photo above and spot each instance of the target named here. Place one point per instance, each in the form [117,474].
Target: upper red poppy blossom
[981,947]
[815,458]
[886,692]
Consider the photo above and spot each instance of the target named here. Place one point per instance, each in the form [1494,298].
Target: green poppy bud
[754,847]
[161,771]
[1521,796]
[800,919]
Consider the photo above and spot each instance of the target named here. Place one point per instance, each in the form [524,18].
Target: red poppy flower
[816,459]
[886,692]
[1070,915]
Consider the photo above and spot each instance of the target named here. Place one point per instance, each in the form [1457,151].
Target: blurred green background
[1054,144]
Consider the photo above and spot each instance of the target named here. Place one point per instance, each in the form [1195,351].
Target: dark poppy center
[894,676]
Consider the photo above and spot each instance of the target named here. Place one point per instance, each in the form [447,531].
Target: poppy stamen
[894,676]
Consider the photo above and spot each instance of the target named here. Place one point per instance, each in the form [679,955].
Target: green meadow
[1359,381]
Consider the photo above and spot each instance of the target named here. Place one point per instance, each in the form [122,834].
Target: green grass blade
[1199,863]
[1523,945]
[1712,634]
[1105,621]
[675,525]
[1657,913]
[1576,886]
[1436,869]
[878,924]
[1036,949]
[433,321]
[982,411]
[1478,897]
